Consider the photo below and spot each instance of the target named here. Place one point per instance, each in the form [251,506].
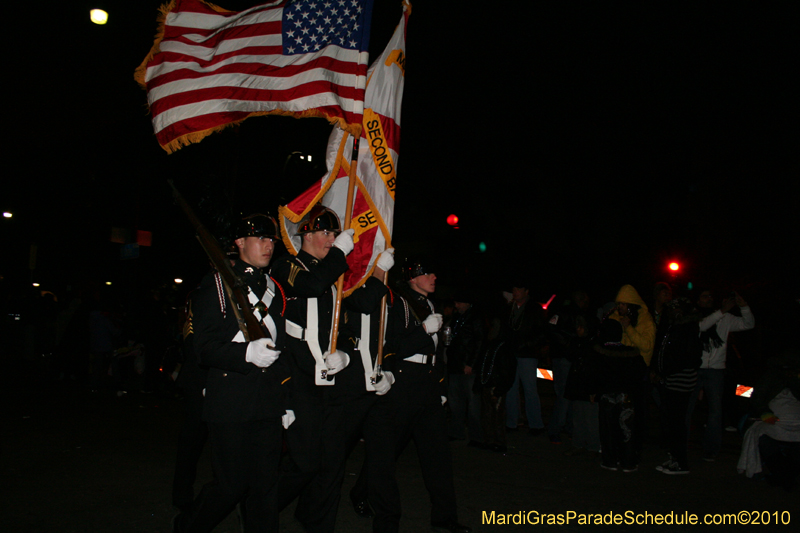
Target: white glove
[386,260]
[344,241]
[433,323]
[444,400]
[262,353]
[383,386]
[287,419]
[336,361]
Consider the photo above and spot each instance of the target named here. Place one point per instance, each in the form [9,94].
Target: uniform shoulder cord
[220,294]
[283,294]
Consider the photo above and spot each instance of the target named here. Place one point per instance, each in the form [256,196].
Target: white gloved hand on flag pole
[386,260]
[336,361]
[383,386]
[344,241]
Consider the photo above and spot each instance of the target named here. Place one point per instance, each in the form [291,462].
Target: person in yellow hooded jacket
[638,327]
[638,331]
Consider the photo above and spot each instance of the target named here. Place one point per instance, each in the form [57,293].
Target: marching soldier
[244,396]
[418,396]
[308,279]
[194,430]
[358,405]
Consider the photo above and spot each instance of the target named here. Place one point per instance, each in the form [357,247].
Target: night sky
[584,143]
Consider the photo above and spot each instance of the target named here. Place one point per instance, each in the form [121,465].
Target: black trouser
[344,423]
[617,430]
[304,441]
[782,459]
[493,418]
[465,408]
[675,406]
[191,441]
[245,458]
[420,416]
[640,396]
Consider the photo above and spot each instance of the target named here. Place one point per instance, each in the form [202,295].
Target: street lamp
[98,16]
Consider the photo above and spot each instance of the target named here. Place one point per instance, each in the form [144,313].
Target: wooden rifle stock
[248,324]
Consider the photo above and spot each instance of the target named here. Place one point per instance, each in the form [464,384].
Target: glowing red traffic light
[674,266]
[452,220]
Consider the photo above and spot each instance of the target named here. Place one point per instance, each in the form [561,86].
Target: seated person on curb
[774,440]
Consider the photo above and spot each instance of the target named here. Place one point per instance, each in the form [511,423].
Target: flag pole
[348,215]
[379,359]
[361,84]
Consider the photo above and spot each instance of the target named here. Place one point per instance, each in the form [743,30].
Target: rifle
[249,325]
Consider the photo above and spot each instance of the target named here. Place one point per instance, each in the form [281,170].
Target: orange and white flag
[376,171]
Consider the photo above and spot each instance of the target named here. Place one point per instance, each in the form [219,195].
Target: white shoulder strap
[366,356]
[364,348]
[312,339]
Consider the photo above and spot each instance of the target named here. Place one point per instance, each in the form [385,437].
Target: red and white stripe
[212,68]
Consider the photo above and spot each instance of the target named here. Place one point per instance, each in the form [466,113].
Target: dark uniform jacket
[415,382]
[303,276]
[366,300]
[236,391]
[192,376]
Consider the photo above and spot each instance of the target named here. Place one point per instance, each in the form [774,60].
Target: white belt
[421,359]
[293,330]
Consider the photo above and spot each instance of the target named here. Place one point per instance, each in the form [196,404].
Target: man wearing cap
[463,351]
[308,280]
[418,395]
[244,396]
[525,332]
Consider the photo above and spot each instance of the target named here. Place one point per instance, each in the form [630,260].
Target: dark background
[585,143]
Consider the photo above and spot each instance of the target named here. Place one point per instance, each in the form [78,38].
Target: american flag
[210,68]
[378,156]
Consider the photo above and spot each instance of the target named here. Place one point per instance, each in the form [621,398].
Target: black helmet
[320,218]
[257,225]
[414,268]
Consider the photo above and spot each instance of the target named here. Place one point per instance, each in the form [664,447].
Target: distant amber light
[98,16]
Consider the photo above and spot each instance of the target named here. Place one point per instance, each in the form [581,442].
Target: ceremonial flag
[210,68]
[378,153]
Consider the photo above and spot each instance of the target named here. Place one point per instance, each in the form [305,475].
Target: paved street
[73,462]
